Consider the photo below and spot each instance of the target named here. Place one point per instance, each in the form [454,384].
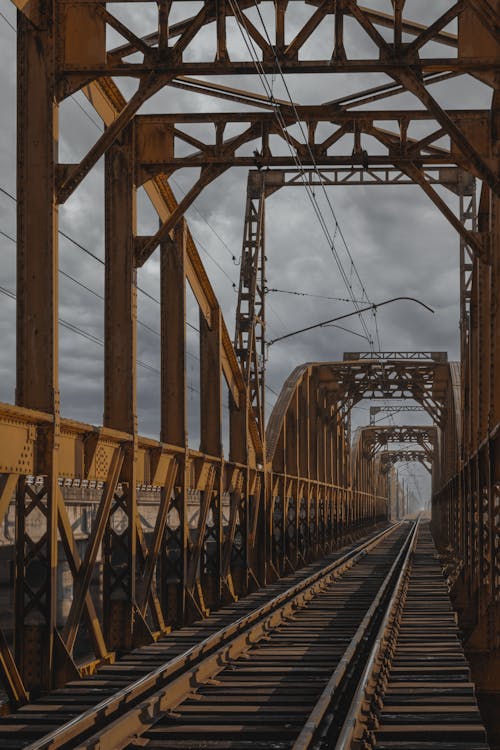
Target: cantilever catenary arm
[348,315]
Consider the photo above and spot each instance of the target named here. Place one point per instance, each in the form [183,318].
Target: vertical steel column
[495,307]
[211,445]
[294,496]
[251,503]
[37,385]
[495,521]
[174,417]
[249,341]
[489,224]
[468,217]
[120,384]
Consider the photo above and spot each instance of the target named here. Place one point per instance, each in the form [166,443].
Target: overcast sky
[400,244]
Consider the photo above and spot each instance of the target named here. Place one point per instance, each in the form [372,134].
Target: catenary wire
[296,158]
[147,294]
[100,296]
[310,294]
[209,225]
[139,288]
[8,22]
[94,339]
[99,260]
[338,228]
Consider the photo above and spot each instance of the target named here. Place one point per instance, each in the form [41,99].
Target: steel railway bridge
[285,565]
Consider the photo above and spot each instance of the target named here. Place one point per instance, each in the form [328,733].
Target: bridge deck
[363,646]
[46,714]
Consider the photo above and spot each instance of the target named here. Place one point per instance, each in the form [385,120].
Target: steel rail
[316,721]
[352,720]
[149,694]
[153,710]
[131,727]
[124,729]
[419,692]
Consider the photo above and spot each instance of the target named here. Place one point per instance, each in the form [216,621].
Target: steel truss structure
[388,458]
[398,375]
[293,489]
[378,438]
[377,449]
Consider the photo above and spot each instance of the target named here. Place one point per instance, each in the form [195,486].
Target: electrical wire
[318,212]
[100,296]
[271,389]
[91,255]
[214,261]
[310,294]
[347,330]
[224,244]
[95,339]
[8,22]
[139,289]
[338,228]
[76,329]
[87,114]
[204,249]
[204,218]
[233,257]
[81,332]
[331,240]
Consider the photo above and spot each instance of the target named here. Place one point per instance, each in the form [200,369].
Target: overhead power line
[331,240]
[324,323]
[81,332]
[143,291]
[95,339]
[8,22]
[209,225]
[101,261]
[317,296]
[296,158]
[100,296]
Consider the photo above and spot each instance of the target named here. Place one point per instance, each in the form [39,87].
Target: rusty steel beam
[368,19]
[250,329]
[452,178]
[37,385]
[376,439]
[390,457]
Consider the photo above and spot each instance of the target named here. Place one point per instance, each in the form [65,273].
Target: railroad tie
[429,700]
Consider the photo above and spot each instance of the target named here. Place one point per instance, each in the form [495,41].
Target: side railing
[466,523]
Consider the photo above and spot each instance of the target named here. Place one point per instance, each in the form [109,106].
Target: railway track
[363,651]
[424,693]
[415,690]
[143,670]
